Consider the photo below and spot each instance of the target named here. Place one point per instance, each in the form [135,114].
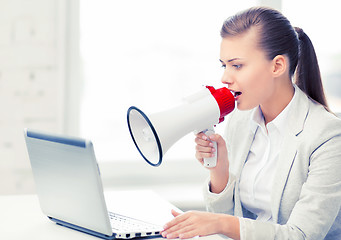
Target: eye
[223,66]
[237,66]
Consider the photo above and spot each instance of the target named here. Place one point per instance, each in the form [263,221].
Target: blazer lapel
[246,145]
[300,109]
[284,165]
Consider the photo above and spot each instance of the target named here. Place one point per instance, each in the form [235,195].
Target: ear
[280,65]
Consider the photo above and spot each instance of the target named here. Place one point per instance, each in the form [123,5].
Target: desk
[21,217]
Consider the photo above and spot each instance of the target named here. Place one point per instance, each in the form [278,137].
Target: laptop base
[90,232]
[84,230]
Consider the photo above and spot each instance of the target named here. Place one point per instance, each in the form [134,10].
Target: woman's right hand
[219,174]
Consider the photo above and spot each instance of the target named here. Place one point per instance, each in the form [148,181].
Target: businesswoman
[278,174]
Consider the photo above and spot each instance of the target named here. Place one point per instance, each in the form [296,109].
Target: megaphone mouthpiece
[225,100]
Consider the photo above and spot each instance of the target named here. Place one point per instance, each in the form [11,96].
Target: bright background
[76,66]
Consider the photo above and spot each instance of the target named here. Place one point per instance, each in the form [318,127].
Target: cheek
[256,85]
[255,81]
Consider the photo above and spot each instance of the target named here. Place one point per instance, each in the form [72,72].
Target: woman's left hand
[191,224]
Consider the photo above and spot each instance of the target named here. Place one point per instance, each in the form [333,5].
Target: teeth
[235,93]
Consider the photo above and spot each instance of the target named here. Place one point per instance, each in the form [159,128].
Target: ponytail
[278,37]
[307,75]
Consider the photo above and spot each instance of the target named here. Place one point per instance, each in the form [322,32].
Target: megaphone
[200,112]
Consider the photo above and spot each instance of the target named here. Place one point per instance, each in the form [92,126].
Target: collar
[257,119]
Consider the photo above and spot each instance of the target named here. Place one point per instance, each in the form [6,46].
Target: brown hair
[278,37]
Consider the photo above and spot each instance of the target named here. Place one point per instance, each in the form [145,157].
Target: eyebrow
[230,60]
[233,59]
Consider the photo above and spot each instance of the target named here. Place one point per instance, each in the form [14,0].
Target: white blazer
[306,193]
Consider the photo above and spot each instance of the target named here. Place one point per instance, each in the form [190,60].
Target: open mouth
[236,93]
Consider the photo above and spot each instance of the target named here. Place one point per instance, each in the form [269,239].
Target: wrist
[228,225]
[218,182]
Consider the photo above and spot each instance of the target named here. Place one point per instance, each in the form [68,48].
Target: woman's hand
[204,149]
[195,223]
[191,224]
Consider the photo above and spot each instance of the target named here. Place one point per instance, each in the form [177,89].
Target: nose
[226,78]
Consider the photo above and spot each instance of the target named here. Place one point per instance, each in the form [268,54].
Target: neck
[280,98]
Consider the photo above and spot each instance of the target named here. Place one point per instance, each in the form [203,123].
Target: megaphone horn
[154,135]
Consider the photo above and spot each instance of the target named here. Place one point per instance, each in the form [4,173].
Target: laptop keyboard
[125,224]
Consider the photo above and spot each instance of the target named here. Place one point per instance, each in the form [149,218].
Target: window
[148,54]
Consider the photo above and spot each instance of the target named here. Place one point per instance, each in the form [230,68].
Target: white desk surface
[21,217]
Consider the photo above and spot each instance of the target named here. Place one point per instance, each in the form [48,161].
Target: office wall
[32,80]
[40,88]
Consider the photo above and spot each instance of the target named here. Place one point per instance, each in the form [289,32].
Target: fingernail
[213,149]
[204,137]
[210,144]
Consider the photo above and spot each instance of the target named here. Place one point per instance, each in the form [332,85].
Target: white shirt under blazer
[255,185]
[306,189]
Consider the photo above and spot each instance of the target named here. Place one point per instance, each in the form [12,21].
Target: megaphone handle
[212,161]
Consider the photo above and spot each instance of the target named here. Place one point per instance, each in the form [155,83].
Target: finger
[200,156]
[175,213]
[177,220]
[217,138]
[184,231]
[203,141]
[178,229]
[200,134]
[189,234]
[204,152]
[170,230]
[202,149]
[173,231]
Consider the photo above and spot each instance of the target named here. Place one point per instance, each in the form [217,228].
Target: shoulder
[310,121]
[321,122]
[320,126]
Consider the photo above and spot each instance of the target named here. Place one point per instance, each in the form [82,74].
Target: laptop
[70,191]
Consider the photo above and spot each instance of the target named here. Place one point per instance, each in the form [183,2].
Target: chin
[245,107]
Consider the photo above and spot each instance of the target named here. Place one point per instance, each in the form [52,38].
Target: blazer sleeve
[318,205]
[222,202]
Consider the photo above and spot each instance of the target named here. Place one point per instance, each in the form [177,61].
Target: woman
[278,173]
